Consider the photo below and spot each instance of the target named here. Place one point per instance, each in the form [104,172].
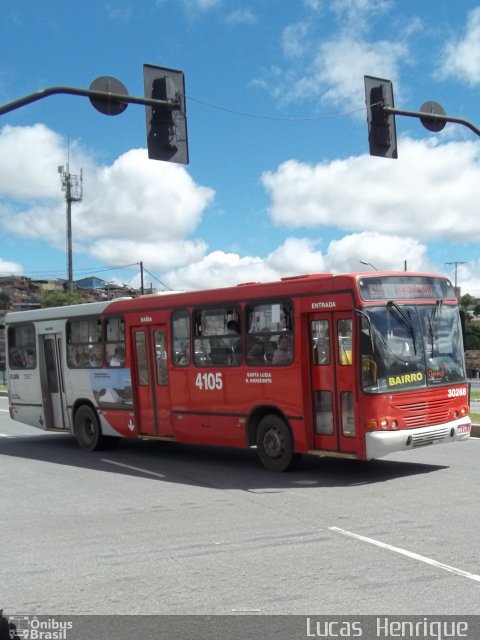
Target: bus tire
[87,429]
[275,444]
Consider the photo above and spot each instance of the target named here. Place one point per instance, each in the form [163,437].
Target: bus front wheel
[87,429]
[275,444]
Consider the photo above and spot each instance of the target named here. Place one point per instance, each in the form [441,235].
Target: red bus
[355,366]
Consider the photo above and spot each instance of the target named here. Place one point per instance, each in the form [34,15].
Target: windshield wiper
[406,320]
[432,322]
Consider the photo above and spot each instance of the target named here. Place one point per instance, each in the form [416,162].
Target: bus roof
[307,284]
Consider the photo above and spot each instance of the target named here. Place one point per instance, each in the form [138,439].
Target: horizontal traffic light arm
[87,93]
[432,116]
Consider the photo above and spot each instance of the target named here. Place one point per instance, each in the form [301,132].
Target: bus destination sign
[405,288]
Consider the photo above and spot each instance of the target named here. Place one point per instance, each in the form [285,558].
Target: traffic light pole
[105,96]
[432,117]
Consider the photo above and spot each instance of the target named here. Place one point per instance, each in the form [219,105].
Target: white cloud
[357,11]
[336,72]
[142,200]
[131,208]
[293,39]
[429,193]
[241,16]
[158,255]
[29,160]
[300,256]
[136,209]
[294,256]
[380,250]
[461,56]
[200,5]
[7,267]
[332,72]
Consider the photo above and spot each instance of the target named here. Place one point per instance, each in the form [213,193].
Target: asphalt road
[156,528]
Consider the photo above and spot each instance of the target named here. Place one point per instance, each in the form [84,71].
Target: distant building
[91,283]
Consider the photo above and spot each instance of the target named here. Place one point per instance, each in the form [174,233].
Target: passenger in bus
[233,342]
[233,327]
[118,358]
[31,360]
[259,348]
[95,359]
[16,360]
[283,353]
[256,349]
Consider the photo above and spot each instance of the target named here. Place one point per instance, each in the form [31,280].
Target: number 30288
[209,381]
[456,393]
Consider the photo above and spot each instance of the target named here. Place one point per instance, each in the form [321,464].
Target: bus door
[150,380]
[333,381]
[56,410]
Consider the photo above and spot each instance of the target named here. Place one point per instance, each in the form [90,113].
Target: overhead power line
[257,116]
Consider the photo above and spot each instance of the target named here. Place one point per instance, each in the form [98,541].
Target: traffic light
[382,135]
[166,124]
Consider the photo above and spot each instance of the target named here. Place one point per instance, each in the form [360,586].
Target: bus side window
[217,337]
[344,336]
[320,342]
[84,340]
[267,325]
[115,342]
[181,338]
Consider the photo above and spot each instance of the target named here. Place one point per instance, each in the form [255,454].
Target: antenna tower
[72,185]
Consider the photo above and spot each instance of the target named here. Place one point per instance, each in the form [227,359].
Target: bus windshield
[410,346]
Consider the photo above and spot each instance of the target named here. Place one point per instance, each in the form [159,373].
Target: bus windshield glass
[410,347]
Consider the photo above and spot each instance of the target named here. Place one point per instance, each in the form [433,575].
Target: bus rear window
[22,350]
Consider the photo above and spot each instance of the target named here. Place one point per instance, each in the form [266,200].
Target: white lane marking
[4,410]
[409,554]
[127,466]
[4,435]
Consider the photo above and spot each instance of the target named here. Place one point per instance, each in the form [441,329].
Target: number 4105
[209,381]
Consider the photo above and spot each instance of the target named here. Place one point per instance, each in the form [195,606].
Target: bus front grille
[425,413]
[424,439]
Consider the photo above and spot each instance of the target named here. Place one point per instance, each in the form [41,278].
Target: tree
[59,299]
[466,302]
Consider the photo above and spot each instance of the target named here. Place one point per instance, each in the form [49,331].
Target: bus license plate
[463,428]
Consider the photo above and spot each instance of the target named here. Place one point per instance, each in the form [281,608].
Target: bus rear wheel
[275,444]
[87,429]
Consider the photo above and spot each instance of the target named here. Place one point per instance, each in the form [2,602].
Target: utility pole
[142,289]
[456,263]
[73,187]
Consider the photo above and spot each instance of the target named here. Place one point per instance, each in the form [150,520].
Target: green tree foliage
[466,302]
[472,334]
[59,299]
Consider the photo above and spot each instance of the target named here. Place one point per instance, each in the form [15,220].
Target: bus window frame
[108,357]
[176,361]
[22,349]
[232,310]
[253,337]
[99,343]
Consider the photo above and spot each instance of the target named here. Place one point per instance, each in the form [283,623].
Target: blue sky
[280,181]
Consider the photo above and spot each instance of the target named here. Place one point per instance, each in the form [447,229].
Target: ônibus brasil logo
[25,627]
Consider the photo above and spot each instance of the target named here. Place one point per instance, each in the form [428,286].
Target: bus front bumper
[382,443]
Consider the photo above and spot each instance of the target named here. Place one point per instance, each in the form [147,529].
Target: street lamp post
[368,264]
